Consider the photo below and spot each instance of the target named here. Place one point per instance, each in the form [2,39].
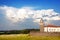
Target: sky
[26,14]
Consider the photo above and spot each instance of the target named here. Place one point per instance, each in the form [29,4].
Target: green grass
[27,37]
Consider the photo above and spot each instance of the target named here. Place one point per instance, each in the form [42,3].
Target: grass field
[27,37]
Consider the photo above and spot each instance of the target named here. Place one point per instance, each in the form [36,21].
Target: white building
[48,28]
[52,29]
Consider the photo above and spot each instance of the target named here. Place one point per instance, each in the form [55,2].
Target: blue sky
[40,4]
[22,14]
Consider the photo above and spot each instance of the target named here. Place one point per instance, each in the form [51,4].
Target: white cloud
[14,14]
[48,14]
[19,14]
[26,17]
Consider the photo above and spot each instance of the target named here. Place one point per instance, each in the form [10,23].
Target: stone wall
[44,34]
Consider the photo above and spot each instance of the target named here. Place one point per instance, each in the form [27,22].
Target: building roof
[49,25]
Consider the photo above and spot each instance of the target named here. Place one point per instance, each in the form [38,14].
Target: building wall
[51,29]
